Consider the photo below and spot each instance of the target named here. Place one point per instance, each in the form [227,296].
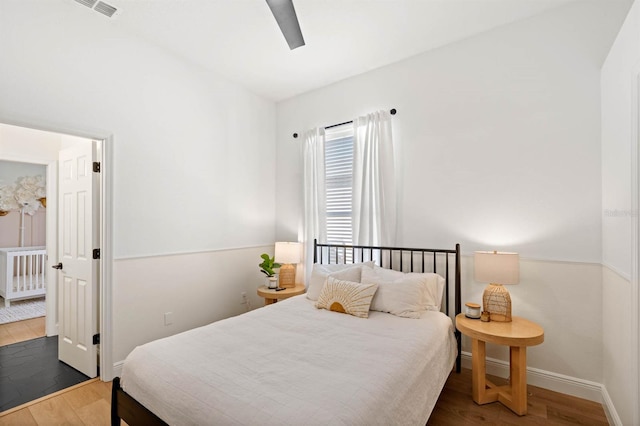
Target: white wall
[620,98]
[196,288]
[499,148]
[193,153]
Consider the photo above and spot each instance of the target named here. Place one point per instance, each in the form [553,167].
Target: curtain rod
[392,112]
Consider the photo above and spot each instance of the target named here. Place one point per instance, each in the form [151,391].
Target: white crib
[22,273]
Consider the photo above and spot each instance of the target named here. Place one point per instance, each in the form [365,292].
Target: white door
[77,279]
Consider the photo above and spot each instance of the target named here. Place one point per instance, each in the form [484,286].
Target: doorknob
[58,266]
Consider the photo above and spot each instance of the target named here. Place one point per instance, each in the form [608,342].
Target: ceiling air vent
[88,3]
[105,9]
[100,7]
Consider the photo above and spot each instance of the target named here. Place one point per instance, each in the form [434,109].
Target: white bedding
[292,364]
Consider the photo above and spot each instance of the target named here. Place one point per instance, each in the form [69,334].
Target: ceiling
[240,40]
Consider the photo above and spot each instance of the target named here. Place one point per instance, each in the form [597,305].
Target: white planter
[272,282]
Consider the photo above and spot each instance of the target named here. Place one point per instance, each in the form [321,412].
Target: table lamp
[288,255]
[497,268]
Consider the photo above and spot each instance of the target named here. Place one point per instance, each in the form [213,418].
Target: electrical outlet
[245,301]
[168,318]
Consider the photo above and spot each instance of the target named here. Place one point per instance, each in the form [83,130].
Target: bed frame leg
[458,303]
[459,357]
[115,419]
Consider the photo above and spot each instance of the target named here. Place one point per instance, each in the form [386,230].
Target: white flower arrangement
[7,199]
[25,194]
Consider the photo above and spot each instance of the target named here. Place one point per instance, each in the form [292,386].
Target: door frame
[105,362]
[635,239]
[51,322]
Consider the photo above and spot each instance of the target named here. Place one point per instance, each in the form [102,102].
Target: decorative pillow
[347,297]
[404,294]
[349,272]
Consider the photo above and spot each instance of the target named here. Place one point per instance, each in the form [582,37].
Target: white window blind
[339,183]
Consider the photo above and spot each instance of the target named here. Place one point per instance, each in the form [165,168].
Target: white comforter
[292,364]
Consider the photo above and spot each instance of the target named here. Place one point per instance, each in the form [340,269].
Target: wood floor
[85,404]
[20,331]
[89,404]
[545,407]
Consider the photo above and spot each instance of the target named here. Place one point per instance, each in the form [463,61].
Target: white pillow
[385,274]
[403,297]
[320,272]
[346,297]
[404,294]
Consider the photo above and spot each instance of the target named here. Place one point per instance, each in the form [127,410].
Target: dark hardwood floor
[456,407]
[30,370]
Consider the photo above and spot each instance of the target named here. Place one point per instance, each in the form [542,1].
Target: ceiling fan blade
[287,20]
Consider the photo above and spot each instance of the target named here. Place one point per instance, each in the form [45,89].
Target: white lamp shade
[497,267]
[288,253]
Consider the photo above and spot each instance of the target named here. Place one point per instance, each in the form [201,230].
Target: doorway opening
[22,250]
[69,293]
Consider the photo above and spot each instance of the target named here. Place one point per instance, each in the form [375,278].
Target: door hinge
[96,167]
[96,339]
[96,253]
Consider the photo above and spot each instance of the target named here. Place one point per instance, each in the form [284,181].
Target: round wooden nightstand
[517,334]
[272,296]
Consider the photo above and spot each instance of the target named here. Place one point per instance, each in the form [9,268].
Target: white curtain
[315,211]
[374,186]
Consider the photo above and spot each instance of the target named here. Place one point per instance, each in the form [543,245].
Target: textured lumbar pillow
[347,297]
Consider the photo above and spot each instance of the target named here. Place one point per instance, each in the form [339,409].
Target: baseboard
[117,368]
[609,408]
[546,379]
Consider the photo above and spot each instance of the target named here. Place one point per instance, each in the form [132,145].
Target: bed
[291,363]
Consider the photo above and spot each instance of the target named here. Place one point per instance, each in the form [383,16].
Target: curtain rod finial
[393,111]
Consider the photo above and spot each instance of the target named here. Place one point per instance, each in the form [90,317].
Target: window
[349,184]
[338,182]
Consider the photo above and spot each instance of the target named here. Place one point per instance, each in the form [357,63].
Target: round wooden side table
[272,296]
[517,334]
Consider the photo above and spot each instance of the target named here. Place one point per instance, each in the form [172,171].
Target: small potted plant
[267,267]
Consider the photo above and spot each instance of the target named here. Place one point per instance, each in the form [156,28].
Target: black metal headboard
[405,260]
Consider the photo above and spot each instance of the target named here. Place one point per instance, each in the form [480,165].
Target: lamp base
[288,275]
[497,301]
